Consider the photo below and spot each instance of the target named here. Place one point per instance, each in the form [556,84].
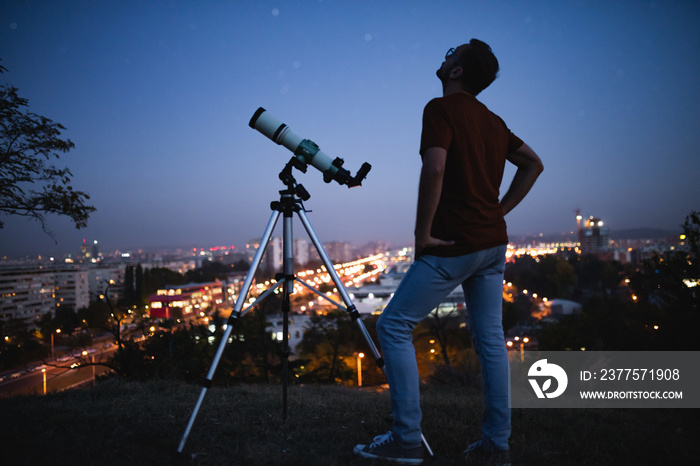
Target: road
[56,375]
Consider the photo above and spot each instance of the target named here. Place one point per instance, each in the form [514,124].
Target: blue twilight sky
[157,95]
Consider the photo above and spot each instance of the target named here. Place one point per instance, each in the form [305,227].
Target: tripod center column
[288,247]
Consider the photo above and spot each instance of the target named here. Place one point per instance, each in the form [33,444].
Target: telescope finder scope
[305,150]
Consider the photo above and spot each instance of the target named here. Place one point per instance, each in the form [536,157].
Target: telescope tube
[280,133]
[305,150]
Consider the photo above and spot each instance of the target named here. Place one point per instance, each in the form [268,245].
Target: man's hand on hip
[429,242]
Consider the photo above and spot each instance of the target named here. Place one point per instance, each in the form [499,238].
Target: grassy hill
[121,423]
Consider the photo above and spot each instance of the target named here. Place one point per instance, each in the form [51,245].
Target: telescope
[306,151]
[290,203]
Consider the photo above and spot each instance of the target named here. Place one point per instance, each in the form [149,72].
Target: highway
[56,375]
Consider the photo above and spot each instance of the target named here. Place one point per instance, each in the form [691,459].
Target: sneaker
[385,447]
[485,453]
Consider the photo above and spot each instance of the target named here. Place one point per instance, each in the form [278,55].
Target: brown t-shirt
[477,143]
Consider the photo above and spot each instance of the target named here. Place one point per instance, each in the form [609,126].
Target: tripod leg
[348,302]
[235,314]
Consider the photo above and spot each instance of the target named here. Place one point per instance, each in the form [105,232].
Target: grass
[121,423]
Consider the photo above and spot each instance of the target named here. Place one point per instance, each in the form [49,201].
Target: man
[460,239]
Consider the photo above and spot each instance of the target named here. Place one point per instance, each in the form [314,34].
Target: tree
[18,344]
[691,231]
[209,272]
[661,313]
[154,279]
[669,282]
[328,342]
[28,142]
[128,294]
[440,327]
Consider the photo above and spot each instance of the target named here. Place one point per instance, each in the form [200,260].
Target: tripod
[291,202]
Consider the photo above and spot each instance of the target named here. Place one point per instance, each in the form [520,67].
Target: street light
[359,368]
[58,330]
[92,360]
[522,348]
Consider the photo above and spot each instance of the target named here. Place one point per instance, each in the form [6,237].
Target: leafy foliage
[28,142]
[330,346]
[18,345]
[444,349]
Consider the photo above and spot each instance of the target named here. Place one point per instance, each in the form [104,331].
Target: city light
[541,249]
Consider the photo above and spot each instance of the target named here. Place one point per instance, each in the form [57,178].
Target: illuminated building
[274,254]
[339,251]
[594,237]
[184,300]
[72,288]
[26,294]
[301,251]
[100,276]
[90,252]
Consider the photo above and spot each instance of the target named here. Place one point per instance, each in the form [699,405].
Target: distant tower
[274,254]
[595,237]
[301,251]
[85,253]
[579,234]
[95,251]
[89,252]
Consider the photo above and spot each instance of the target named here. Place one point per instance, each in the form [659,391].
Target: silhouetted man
[460,239]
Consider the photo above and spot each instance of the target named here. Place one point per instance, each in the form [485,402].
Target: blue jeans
[429,280]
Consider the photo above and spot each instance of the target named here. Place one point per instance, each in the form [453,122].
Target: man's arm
[429,191]
[529,168]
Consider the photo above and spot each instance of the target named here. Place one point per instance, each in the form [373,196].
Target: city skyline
[93,251]
[157,101]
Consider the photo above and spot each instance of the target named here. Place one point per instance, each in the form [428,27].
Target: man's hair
[479,67]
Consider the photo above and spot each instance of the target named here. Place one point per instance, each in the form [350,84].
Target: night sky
[157,97]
